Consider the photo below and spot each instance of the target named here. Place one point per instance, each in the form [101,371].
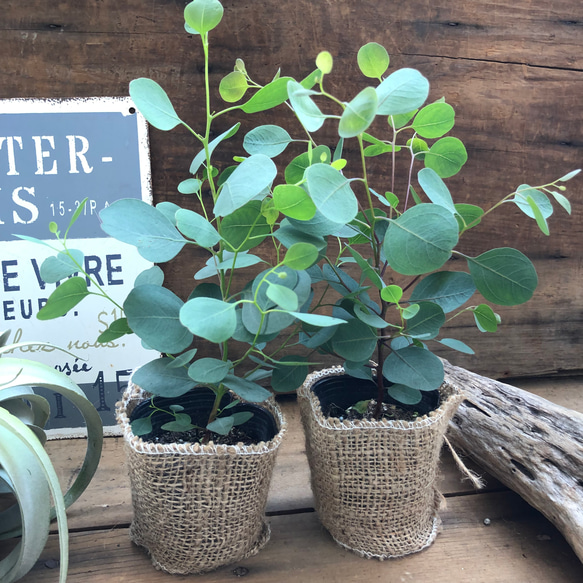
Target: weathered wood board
[516,546]
[512,70]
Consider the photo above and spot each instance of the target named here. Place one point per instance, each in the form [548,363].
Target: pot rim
[133,395]
[451,395]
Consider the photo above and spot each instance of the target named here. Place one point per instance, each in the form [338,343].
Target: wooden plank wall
[513,71]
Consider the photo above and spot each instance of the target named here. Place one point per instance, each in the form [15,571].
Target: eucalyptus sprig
[254,286]
[413,234]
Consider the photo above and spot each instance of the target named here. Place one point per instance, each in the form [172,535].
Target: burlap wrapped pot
[374,481]
[197,507]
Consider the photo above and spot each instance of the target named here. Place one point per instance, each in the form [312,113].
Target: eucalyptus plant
[27,474]
[410,230]
[254,285]
[277,242]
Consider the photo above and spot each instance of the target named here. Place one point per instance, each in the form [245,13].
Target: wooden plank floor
[519,545]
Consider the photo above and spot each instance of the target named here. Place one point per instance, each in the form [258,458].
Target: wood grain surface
[515,544]
[512,70]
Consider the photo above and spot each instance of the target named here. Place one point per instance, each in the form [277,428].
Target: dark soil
[390,411]
[235,436]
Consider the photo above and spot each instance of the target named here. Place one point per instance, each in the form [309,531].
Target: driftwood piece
[530,444]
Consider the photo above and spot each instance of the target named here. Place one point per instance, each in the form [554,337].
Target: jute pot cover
[197,507]
[374,481]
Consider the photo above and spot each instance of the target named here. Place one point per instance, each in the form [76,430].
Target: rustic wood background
[512,70]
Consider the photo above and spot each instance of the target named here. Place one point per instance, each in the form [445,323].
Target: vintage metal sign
[54,154]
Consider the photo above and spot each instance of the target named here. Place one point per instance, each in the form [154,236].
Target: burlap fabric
[197,507]
[374,481]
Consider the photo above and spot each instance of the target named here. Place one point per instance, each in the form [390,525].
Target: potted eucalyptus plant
[29,484]
[278,243]
[202,432]
[375,425]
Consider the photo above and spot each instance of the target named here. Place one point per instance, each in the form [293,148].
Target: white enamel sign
[54,154]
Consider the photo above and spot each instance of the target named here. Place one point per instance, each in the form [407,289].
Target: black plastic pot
[340,392]
[198,404]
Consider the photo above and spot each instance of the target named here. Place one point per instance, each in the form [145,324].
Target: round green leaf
[203,15]
[152,312]
[196,227]
[434,120]
[141,426]
[456,345]
[64,298]
[59,266]
[392,294]
[294,172]
[189,186]
[252,177]
[418,147]
[288,378]
[153,103]
[211,319]
[435,189]
[421,239]
[233,87]
[301,256]
[354,341]
[269,211]
[268,97]
[427,322]
[446,156]
[284,297]
[410,311]
[201,159]
[209,370]
[540,199]
[270,140]
[369,317]
[245,228]
[331,193]
[247,390]
[402,92]
[159,378]
[448,289]
[115,330]
[404,394]
[293,201]
[221,425]
[373,60]
[414,367]
[466,214]
[486,319]
[359,114]
[135,222]
[324,62]
[570,175]
[504,276]
[307,111]
[182,422]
